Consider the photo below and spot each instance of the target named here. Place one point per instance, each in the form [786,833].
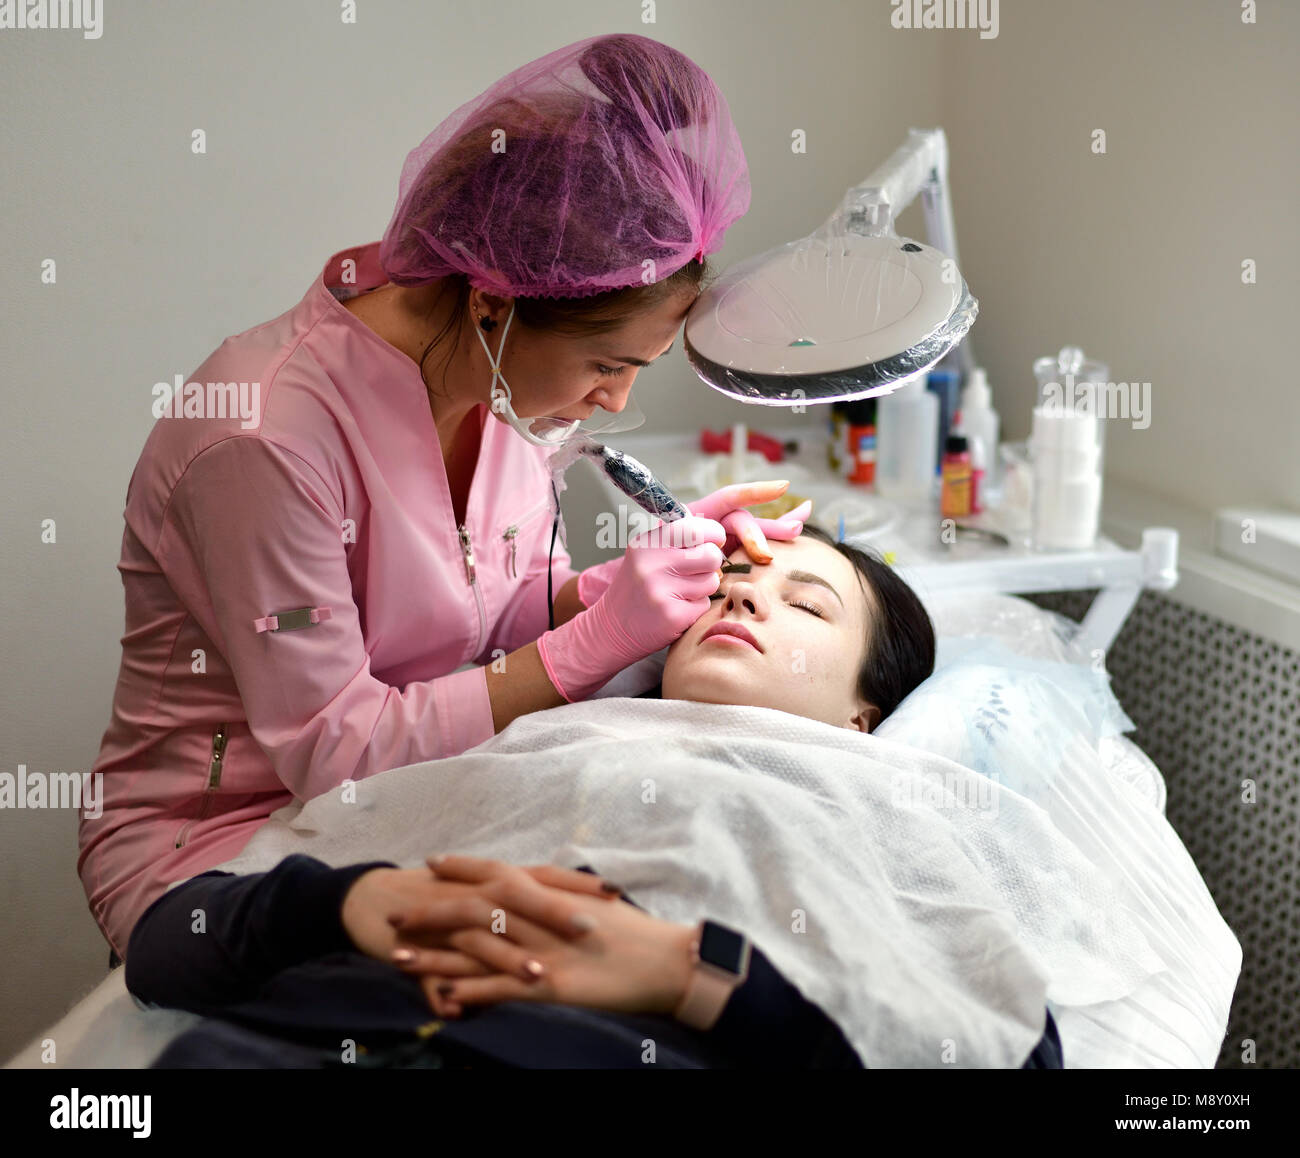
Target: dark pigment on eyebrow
[728,568]
[796,575]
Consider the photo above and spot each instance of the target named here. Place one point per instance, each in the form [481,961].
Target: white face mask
[552,432]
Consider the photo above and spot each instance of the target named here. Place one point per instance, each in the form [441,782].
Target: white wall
[1136,255]
[161,254]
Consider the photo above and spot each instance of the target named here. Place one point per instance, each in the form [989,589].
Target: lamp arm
[918,166]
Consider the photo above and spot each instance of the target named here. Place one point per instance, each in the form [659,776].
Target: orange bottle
[955,492]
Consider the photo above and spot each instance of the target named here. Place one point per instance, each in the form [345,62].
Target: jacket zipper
[511,534]
[468,550]
[214,783]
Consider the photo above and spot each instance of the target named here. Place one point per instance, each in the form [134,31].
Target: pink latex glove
[726,506]
[663,586]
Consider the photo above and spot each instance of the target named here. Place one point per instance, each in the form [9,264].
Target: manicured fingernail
[445,989]
[434,861]
[583,923]
[403,956]
[610,887]
[532,970]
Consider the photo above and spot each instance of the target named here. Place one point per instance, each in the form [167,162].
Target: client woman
[541,967]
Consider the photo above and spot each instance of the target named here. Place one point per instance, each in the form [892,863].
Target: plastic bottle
[955,493]
[907,438]
[979,422]
[944,382]
[860,417]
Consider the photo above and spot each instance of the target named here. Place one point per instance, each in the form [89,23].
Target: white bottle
[907,443]
[981,425]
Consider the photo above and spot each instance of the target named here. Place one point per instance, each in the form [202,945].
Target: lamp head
[828,318]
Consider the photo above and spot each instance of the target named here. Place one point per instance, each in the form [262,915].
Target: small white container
[1066,448]
[1067,479]
[907,443]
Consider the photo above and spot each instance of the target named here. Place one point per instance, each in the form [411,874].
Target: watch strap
[708,990]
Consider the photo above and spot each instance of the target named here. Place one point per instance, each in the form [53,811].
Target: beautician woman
[303,592]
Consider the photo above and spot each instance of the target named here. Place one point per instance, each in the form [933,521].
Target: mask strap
[501,396]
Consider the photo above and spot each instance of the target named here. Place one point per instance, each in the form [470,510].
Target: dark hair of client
[900,641]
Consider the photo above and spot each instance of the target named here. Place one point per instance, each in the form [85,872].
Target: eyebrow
[639,361]
[808,577]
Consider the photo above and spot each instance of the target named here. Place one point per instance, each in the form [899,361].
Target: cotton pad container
[1065,445]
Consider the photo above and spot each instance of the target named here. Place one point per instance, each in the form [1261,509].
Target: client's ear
[865,720]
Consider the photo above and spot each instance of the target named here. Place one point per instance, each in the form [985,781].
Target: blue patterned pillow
[1004,715]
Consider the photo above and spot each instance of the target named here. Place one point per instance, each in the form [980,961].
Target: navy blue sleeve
[768,1017]
[247,929]
[767,1013]
[1047,1054]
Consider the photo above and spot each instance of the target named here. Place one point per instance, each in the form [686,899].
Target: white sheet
[108,1029]
[940,909]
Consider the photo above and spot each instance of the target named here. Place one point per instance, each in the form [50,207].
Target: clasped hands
[478,932]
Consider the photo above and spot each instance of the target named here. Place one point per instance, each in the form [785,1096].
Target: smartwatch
[721,963]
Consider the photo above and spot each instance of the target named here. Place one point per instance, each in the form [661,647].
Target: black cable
[555,526]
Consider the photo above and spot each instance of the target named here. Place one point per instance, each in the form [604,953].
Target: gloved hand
[726,506]
[661,587]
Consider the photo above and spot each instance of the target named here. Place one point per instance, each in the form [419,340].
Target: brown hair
[582,317]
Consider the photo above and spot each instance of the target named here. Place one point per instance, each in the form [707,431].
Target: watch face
[722,947]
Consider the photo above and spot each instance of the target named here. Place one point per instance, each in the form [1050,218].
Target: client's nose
[743,593]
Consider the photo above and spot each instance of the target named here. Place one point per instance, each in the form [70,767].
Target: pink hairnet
[611,152]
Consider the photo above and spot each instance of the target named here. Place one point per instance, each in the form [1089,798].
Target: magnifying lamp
[850,311]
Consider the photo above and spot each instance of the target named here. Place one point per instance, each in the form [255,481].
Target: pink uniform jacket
[336,501]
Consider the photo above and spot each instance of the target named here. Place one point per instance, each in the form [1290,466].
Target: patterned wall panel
[1216,706]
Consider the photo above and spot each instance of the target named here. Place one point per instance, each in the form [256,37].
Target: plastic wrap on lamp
[835,315]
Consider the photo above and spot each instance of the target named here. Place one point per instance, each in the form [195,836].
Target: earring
[487,323]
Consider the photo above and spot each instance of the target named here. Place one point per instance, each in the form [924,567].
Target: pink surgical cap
[567,176]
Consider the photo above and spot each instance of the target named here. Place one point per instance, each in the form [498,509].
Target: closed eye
[611,370]
[811,608]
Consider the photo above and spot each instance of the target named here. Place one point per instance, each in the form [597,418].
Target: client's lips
[727,627]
